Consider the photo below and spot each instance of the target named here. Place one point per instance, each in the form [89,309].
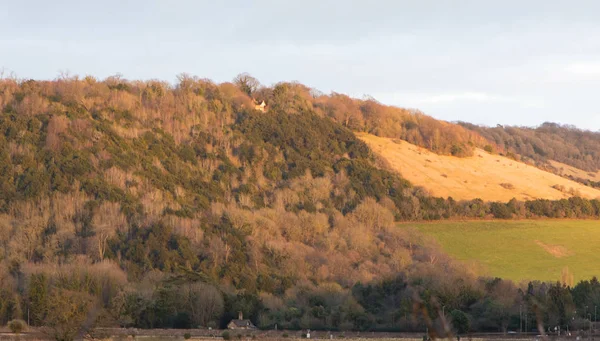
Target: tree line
[69,299]
[549,141]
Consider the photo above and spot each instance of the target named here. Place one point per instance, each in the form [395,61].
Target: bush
[507,185]
[69,313]
[17,326]
[500,210]
[460,321]
[187,336]
[285,335]
[226,335]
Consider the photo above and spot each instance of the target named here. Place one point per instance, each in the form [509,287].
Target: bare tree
[103,232]
[204,301]
[246,83]
[71,314]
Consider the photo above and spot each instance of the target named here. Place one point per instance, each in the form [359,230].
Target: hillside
[176,206]
[159,201]
[550,141]
[568,171]
[485,176]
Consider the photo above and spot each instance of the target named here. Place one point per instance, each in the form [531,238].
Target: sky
[485,62]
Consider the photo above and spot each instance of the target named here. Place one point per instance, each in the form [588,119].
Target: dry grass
[473,177]
[557,251]
[566,170]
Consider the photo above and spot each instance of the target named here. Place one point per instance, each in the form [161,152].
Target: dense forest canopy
[178,206]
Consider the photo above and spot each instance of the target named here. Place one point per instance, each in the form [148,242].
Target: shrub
[226,335]
[239,336]
[187,336]
[17,326]
[507,185]
[460,321]
[574,192]
[500,210]
[69,313]
[460,151]
[285,335]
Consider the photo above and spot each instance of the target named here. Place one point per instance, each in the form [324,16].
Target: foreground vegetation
[142,204]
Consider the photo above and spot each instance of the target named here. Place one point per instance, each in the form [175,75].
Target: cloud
[584,68]
[460,97]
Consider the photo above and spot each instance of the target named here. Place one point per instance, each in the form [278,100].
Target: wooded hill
[550,141]
[178,206]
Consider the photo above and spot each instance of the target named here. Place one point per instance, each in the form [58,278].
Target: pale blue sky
[489,62]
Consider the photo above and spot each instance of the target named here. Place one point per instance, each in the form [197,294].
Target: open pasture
[522,250]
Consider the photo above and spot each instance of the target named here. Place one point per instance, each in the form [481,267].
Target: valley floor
[115,334]
[522,250]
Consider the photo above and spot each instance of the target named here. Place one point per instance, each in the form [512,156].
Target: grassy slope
[479,176]
[523,250]
[567,170]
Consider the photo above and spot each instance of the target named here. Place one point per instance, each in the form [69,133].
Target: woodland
[155,205]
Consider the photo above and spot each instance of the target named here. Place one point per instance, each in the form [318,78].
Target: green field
[523,250]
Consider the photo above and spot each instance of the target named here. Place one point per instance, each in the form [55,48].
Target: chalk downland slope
[485,176]
[567,170]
